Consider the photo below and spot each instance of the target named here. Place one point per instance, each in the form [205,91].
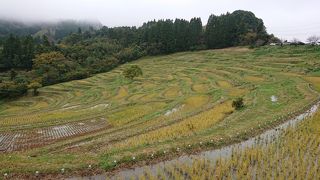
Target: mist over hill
[53,30]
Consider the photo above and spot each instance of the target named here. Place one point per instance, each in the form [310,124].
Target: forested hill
[54,30]
[29,62]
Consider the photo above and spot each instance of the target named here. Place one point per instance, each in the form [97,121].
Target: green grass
[294,155]
[175,89]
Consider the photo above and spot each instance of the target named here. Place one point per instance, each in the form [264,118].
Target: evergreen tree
[79,31]
[11,52]
[45,41]
[195,33]
[181,34]
[28,52]
[166,36]
[210,33]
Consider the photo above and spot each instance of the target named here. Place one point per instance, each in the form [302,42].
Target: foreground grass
[181,100]
[295,155]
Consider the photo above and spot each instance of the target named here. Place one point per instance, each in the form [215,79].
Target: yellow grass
[194,102]
[122,92]
[254,79]
[187,80]
[203,78]
[13,109]
[78,93]
[148,85]
[237,92]
[201,88]
[135,97]
[224,84]
[41,104]
[149,97]
[105,94]
[172,92]
[132,113]
[315,81]
[290,74]
[186,127]
[83,82]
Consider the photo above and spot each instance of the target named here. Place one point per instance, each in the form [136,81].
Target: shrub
[130,54]
[238,103]
[13,74]
[10,89]
[35,86]
[132,72]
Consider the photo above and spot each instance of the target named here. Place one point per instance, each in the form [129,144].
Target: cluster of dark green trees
[167,36]
[237,28]
[25,60]
[19,52]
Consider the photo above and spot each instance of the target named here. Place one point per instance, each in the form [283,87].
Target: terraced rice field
[107,122]
[293,155]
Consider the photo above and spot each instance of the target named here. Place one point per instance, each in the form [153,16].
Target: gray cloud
[285,18]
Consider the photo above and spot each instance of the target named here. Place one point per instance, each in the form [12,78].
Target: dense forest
[29,62]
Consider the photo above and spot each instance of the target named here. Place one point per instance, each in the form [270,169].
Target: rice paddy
[293,154]
[181,101]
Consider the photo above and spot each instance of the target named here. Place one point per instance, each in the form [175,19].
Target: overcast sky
[285,18]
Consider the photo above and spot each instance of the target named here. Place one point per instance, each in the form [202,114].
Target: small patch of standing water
[169,112]
[274,98]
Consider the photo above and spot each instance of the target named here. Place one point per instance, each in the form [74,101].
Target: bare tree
[313,40]
[295,41]
[283,41]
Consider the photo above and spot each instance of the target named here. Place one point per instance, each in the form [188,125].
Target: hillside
[181,104]
[26,61]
